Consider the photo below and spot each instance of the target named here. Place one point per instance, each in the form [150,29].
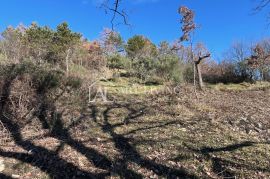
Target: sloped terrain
[211,134]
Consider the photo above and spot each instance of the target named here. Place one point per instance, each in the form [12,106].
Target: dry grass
[220,134]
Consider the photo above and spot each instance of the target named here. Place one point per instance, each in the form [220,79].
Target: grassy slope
[219,134]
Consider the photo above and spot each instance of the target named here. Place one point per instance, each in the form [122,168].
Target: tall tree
[188,28]
[38,42]
[139,46]
[65,41]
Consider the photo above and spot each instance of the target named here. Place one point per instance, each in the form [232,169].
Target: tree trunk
[198,70]
[67,61]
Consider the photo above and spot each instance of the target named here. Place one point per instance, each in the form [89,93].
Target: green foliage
[73,82]
[154,80]
[112,42]
[39,42]
[139,46]
[46,80]
[169,68]
[143,68]
[135,45]
[42,77]
[188,73]
[118,62]
[64,38]
[63,41]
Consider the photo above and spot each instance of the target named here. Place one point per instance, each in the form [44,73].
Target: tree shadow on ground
[46,160]
[50,161]
[129,152]
[220,165]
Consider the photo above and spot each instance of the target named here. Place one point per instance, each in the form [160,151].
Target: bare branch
[202,57]
[262,5]
[116,11]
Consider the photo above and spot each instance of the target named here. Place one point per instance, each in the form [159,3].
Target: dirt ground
[214,134]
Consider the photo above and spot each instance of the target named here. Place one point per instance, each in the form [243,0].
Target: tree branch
[202,57]
[262,5]
[116,11]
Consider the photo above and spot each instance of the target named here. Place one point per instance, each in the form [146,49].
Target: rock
[2,165]
[259,125]
[15,176]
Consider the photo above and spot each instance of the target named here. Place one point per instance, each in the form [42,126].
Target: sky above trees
[222,22]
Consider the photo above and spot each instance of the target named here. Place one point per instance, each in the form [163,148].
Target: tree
[201,53]
[11,43]
[112,42]
[188,28]
[65,42]
[139,46]
[38,42]
[238,53]
[142,52]
[260,60]
[168,62]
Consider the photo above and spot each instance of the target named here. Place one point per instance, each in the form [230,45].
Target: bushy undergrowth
[27,88]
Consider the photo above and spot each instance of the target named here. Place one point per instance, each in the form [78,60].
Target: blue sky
[222,21]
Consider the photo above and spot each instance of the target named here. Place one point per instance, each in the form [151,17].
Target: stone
[15,176]
[259,125]
[2,165]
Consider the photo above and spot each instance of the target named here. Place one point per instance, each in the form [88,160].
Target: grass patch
[241,86]
[127,86]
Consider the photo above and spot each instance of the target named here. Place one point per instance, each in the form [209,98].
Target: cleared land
[222,133]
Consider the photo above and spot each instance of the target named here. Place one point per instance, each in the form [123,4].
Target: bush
[154,80]
[118,62]
[73,82]
[143,68]
[188,73]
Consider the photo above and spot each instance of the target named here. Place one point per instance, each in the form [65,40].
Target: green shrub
[73,82]
[169,68]
[118,62]
[188,73]
[154,80]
